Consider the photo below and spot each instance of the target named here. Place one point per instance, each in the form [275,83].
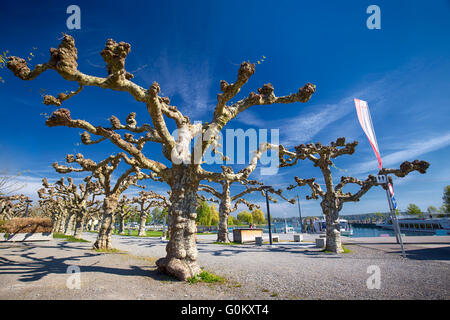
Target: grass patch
[113,250]
[274,294]
[343,248]
[134,233]
[264,290]
[227,243]
[67,238]
[346,250]
[207,277]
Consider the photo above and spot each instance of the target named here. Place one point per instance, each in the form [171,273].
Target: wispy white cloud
[307,125]
[412,150]
[187,80]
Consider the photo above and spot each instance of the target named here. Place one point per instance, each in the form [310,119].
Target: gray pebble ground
[287,270]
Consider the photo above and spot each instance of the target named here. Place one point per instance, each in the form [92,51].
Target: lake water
[357,232]
[376,232]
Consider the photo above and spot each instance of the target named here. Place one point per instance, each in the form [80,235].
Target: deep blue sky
[402,71]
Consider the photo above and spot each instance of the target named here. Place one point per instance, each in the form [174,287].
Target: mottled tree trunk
[224,212]
[168,228]
[121,225]
[333,240]
[104,239]
[68,230]
[62,224]
[142,224]
[181,258]
[56,223]
[79,224]
[91,225]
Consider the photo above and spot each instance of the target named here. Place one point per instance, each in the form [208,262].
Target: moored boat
[431,225]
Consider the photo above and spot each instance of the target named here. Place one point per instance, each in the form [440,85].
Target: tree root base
[180,269]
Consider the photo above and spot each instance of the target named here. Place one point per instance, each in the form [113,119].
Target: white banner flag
[362,109]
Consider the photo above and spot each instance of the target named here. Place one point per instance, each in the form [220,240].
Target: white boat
[431,225]
[320,226]
[287,229]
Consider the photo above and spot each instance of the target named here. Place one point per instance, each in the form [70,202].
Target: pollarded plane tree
[83,201]
[145,201]
[333,197]
[94,214]
[76,199]
[226,201]
[124,210]
[13,206]
[48,208]
[103,171]
[56,204]
[185,172]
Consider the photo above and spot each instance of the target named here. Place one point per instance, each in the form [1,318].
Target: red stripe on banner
[391,189]
[377,154]
[359,112]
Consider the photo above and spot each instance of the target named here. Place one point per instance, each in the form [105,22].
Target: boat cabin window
[428,225]
[411,226]
[416,226]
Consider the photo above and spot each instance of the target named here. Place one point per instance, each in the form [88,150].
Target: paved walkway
[287,270]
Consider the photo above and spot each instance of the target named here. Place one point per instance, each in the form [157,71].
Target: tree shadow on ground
[31,268]
[413,251]
[442,253]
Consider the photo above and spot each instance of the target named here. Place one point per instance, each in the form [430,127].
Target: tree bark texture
[69,224]
[333,240]
[79,225]
[104,239]
[181,258]
[224,212]
[143,219]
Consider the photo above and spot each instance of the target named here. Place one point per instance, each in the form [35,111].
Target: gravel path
[286,270]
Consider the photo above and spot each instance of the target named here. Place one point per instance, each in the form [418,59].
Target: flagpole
[365,120]
[395,224]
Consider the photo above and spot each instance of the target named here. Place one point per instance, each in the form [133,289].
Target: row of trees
[443,210]
[207,215]
[182,168]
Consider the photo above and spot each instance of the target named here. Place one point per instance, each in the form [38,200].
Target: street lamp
[26,210]
[300,214]
[266,188]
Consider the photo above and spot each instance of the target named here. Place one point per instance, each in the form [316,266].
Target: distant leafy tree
[432,209]
[156,214]
[446,198]
[413,209]
[214,215]
[165,212]
[3,62]
[245,217]
[258,216]
[236,221]
[204,214]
